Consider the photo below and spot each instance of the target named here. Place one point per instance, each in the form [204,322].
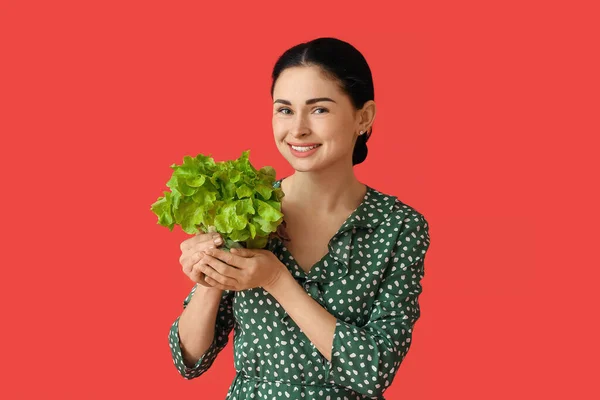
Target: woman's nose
[299,127]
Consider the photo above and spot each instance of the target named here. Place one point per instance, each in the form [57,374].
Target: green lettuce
[229,197]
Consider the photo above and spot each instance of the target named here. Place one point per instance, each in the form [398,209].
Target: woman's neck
[323,192]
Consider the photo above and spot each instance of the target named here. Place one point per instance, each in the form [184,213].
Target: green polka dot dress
[369,280]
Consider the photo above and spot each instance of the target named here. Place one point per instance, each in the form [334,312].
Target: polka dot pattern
[369,280]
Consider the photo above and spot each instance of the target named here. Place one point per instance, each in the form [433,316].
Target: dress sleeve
[366,359]
[223,326]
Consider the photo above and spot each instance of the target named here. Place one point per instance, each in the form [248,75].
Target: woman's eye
[287,109]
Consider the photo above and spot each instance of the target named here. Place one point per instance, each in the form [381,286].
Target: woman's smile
[303,151]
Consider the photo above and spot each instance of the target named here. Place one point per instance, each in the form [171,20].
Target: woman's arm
[197,323]
[207,323]
[314,320]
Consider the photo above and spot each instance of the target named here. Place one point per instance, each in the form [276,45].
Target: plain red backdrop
[484,124]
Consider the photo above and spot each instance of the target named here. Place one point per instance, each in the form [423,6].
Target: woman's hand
[191,253]
[241,269]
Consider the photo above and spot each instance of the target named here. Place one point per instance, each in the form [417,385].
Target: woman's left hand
[241,270]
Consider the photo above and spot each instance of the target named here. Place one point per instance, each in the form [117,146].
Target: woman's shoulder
[401,212]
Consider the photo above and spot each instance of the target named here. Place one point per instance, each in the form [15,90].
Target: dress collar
[372,211]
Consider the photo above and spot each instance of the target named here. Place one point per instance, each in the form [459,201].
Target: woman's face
[330,121]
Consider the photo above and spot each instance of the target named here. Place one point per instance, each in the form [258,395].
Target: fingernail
[218,240]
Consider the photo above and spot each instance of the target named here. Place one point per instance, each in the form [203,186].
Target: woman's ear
[367,115]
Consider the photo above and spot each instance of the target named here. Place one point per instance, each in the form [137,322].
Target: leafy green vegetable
[229,197]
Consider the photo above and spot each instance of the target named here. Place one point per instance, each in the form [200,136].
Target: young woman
[328,311]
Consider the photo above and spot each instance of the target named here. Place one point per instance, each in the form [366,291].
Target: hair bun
[360,149]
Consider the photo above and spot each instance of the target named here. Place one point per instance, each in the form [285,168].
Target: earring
[361,132]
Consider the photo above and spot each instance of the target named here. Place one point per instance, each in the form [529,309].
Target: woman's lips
[302,154]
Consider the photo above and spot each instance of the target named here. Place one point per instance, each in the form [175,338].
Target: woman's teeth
[305,148]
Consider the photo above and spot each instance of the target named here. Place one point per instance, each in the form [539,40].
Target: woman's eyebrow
[308,102]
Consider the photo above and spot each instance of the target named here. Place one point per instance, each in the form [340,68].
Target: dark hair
[342,63]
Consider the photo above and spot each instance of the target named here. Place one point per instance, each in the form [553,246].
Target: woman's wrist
[209,291]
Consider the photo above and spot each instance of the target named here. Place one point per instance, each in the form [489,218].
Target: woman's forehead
[303,83]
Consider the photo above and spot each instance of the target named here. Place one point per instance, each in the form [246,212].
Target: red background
[486,112]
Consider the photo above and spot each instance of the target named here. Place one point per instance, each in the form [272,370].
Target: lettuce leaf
[230,197]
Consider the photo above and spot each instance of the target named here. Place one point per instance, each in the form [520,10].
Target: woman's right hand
[192,252]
